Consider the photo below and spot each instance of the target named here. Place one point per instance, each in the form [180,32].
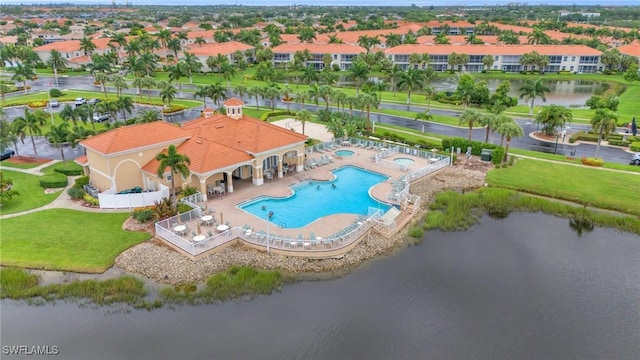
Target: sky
[330,2]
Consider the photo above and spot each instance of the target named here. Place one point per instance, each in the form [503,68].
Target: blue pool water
[403,161]
[315,199]
[344,153]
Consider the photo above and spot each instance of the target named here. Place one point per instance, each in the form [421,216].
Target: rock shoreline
[160,263]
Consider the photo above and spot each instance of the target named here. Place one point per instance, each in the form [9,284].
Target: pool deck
[226,210]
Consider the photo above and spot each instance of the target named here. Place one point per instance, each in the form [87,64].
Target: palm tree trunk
[531,107]
[506,150]
[599,140]
[33,142]
[24,83]
[257,103]
[104,89]
[408,97]
[61,153]
[486,138]
[470,129]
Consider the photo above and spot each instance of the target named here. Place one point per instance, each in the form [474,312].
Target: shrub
[618,142]
[54,93]
[76,193]
[69,169]
[188,191]
[143,215]
[81,181]
[50,181]
[269,114]
[635,146]
[91,200]
[416,232]
[497,155]
[173,108]
[592,161]
[183,208]
[37,104]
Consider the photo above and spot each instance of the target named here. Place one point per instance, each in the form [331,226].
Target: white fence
[130,201]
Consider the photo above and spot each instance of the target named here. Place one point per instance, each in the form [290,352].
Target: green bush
[81,181]
[76,193]
[476,146]
[416,232]
[143,215]
[588,137]
[37,104]
[592,161]
[618,142]
[183,208]
[173,108]
[91,200]
[269,114]
[69,169]
[188,191]
[635,146]
[497,155]
[50,181]
[55,93]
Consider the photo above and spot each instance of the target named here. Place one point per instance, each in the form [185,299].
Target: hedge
[476,148]
[635,146]
[269,114]
[618,142]
[592,161]
[53,181]
[173,108]
[69,169]
[81,181]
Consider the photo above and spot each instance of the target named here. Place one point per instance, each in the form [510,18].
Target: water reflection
[524,287]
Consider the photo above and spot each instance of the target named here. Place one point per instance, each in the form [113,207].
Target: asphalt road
[609,154]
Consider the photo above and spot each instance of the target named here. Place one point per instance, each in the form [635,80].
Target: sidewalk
[63,201]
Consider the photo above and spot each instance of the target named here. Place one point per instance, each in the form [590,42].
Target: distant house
[574,58]
[70,50]
[632,49]
[227,48]
[224,150]
[341,54]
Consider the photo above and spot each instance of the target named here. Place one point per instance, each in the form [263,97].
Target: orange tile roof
[218,48]
[234,102]
[81,160]
[407,49]
[62,46]
[320,48]
[80,60]
[128,138]
[631,49]
[514,28]
[247,134]
[206,34]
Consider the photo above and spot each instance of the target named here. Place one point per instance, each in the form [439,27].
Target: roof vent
[198,142]
[219,126]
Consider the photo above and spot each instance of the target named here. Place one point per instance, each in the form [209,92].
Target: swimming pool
[344,153]
[315,199]
[403,161]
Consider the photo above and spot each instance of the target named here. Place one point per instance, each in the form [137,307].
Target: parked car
[80,101]
[54,103]
[100,117]
[93,101]
[635,159]
[7,154]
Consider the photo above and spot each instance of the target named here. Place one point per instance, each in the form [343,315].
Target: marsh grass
[18,284]
[455,211]
[236,282]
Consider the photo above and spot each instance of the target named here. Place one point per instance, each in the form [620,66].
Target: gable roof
[630,49]
[218,48]
[319,48]
[407,49]
[129,138]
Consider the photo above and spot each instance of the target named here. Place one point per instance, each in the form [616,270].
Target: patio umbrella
[198,226]
[221,218]
[634,127]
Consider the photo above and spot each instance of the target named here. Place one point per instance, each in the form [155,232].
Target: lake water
[524,287]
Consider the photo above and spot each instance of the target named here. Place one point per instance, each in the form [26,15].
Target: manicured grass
[31,194]
[66,240]
[19,166]
[68,165]
[455,211]
[70,95]
[582,185]
[564,159]
[251,111]
[68,72]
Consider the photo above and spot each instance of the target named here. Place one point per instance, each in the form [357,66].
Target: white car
[80,101]
[635,159]
[100,117]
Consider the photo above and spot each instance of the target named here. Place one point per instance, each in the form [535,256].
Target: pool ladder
[282,225]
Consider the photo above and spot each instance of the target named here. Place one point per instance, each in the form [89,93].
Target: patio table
[199,238]
[222,227]
[180,229]
[207,219]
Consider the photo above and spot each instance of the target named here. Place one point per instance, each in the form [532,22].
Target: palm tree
[303,116]
[314,93]
[272,92]
[228,72]
[395,72]
[552,118]
[102,78]
[359,72]
[192,64]
[241,90]
[301,97]
[167,94]
[87,46]
[325,92]
[58,135]
[256,92]
[367,101]
[531,90]
[67,114]
[410,80]
[216,92]
[509,129]
[119,83]
[604,121]
[177,164]
[22,73]
[147,116]
[29,124]
[469,117]
[56,61]
[424,116]
[201,91]
[125,103]
[4,89]
[164,35]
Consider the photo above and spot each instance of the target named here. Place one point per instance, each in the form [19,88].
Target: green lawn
[19,166]
[563,158]
[583,185]
[70,95]
[66,240]
[31,194]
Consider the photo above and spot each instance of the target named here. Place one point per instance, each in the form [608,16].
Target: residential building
[574,58]
[227,48]
[341,54]
[223,150]
[631,50]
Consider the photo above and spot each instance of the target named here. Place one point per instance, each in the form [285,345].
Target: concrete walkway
[63,201]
